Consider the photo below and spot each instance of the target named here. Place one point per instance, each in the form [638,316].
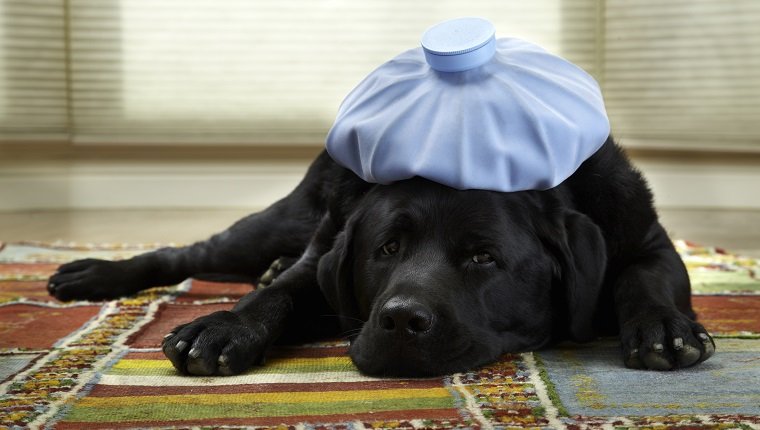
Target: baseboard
[703,184]
[216,184]
[93,185]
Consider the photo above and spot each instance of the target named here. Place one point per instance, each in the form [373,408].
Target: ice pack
[471,111]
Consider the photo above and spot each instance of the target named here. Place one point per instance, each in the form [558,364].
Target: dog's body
[429,279]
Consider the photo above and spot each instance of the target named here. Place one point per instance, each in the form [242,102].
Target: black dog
[429,280]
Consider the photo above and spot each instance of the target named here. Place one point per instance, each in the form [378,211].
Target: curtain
[274,72]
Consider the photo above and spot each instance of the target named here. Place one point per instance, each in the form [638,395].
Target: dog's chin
[409,360]
[402,366]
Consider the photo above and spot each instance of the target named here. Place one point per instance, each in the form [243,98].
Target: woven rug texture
[98,365]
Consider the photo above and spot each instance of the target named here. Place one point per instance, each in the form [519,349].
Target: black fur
[428,280]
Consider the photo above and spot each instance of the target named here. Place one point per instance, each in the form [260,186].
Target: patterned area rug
[88,365]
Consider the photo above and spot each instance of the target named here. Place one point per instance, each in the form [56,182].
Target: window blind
[683,73]
[237,71]
[33,78]
[675,74]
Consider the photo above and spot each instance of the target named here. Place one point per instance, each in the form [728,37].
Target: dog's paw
[216,344]
[275,269]
[665,340]
[91,279]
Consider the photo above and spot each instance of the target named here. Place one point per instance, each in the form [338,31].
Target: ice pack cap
[459,45]
[517,118]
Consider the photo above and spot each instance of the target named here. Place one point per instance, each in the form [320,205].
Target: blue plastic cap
[459,44]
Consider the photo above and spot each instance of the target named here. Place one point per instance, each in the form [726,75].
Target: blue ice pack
[471,111]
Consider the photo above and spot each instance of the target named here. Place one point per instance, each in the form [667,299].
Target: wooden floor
[738,231]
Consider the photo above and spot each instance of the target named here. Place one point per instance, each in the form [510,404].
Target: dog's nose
[405,316]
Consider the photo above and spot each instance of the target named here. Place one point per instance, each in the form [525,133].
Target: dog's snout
[405,316]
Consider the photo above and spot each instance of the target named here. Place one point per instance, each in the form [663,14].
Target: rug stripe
[290,352]
[127,390]
[324,351]
[162,411]
[429,414]
[289,365]
[288,397]
[257,378]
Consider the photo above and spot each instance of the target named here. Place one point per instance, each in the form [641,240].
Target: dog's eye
[390,248]
[482,258]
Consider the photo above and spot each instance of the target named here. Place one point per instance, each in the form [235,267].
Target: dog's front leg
[229,342]
[653,304]
[244,250]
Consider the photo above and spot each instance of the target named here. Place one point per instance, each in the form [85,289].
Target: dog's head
[441,280]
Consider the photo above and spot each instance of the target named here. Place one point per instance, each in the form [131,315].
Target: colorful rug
[98,366]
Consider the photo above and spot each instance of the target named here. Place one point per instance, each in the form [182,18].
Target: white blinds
[33,79]
[233,71]
[274,72]
[683,73]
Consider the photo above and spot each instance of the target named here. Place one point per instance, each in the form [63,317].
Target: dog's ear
[335,275]
[581,256]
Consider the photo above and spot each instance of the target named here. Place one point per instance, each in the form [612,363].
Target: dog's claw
[223,361]
[223,365]
[181,345]
[275,270]
[678,344]
[266,278]
[708,344]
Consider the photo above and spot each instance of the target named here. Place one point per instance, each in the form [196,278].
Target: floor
[736,230]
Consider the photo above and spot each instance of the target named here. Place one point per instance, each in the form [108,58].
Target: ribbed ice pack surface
[502,114]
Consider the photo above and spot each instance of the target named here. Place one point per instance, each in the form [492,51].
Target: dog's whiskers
[347,335]
[343,317]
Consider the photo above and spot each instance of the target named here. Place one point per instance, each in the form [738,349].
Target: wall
[137,179]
